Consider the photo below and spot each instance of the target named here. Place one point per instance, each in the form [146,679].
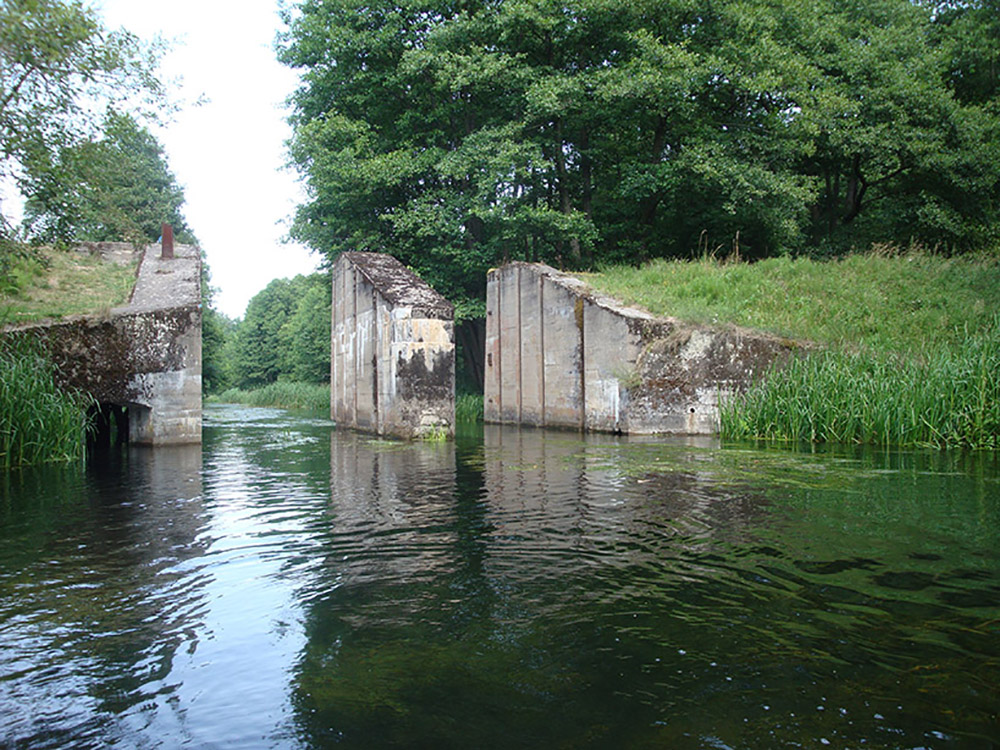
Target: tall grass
[950,398]
[39,421]
[469,408]
[313,397]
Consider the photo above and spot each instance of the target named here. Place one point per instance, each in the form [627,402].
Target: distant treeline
[284,336]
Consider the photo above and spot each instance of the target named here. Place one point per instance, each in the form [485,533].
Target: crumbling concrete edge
[628,372]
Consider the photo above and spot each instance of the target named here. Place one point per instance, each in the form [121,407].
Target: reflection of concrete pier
[393,499]
[584,491]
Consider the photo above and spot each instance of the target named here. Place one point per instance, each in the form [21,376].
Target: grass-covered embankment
[912,342]
[39,421]
[314,397]
[51,283]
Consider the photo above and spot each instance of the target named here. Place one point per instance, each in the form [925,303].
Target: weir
[143,358]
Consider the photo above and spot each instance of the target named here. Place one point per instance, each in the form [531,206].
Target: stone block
[561,355]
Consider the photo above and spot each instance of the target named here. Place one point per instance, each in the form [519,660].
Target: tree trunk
[856,187]
[562,177]
[649,205]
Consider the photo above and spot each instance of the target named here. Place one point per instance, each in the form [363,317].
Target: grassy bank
[904,302]
[313,397]
[56,283]
[39,422]
[912,343]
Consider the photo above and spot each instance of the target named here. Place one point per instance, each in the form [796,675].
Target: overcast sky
[227,154]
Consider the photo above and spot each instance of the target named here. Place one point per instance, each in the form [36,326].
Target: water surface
[287,585]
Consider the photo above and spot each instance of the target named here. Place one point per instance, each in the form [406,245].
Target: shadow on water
[291,585]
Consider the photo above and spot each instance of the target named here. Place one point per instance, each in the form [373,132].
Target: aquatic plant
[947,398]
[469,407]
[39,420]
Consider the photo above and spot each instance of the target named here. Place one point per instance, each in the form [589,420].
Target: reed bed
[950,398]
[314,397]
[39,421]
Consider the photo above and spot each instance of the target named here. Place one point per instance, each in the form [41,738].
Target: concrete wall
[392,354]
[560,355]
[145,355]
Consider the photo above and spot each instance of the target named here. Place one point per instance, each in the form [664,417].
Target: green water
[286,585]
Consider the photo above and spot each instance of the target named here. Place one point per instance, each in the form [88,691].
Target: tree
[285,333]
[306,335]
[458,135]
[59,69]
[118,187]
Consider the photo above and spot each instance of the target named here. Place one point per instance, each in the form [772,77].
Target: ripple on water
[292,586]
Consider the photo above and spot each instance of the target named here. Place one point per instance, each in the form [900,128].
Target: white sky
[227,154]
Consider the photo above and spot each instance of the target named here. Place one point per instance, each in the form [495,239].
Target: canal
[287,585]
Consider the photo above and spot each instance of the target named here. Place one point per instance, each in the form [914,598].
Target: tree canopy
[114,188]
[59,70]
[284,335]
[457,134]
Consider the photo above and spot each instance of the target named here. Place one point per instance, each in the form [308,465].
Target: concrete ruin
[142,361]
[392,353]
[558,354]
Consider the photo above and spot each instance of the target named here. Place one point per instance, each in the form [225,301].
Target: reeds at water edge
[949,398]
[39,420]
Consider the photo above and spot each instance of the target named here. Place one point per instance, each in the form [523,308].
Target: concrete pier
[392,354]
[144,356]
[558,354]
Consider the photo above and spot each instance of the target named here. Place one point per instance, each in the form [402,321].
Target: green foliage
[312,397]
[460,136]
[469,408]
[285,334]
[306,336]
[115,188]
[39,421]
[216,367]
[948,399]
[59,68]
[905,302]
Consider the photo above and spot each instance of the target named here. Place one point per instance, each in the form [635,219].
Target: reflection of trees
[460,579]
[549,588]
[96,600]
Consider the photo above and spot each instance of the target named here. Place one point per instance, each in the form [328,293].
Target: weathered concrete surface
[392,354]
[559,354]
[145,355]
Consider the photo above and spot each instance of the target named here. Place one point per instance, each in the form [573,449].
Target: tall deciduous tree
[118,187]
[285,334]
[59,70]
[457,134]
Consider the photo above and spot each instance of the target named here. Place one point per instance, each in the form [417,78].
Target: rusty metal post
[167,242]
